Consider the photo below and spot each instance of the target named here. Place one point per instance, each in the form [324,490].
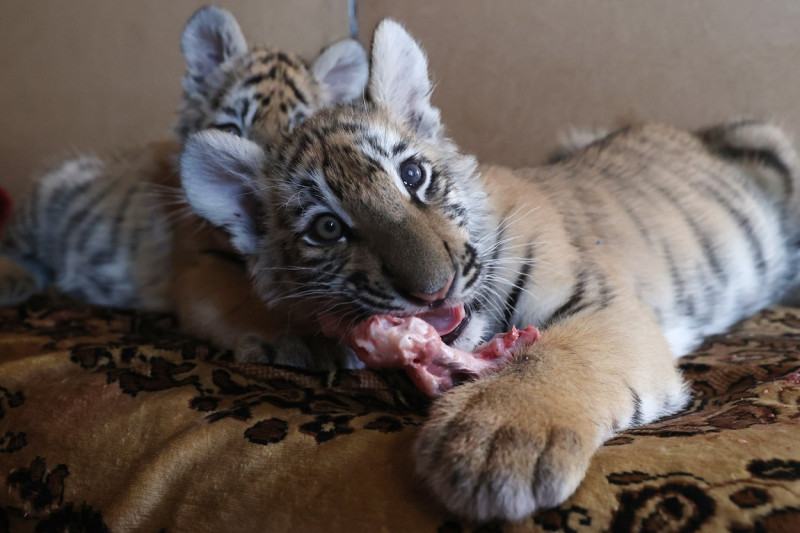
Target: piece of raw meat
[386,341]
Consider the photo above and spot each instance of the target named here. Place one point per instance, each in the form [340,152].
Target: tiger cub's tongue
[444,319]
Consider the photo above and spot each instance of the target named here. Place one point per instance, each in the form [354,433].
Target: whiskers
[494,293]
[491,241]
[307,288]
[504,273]
[170,204]
[312,294]
[167,194]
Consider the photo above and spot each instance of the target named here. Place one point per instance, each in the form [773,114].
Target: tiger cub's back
[700,226]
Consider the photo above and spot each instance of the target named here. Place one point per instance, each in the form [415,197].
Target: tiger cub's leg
[215,300]
[521,440]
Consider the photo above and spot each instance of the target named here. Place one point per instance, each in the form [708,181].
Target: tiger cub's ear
[220,173]
[399,80]
[342,70]
[211,37]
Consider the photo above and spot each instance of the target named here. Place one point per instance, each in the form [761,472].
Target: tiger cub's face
[260,94]
[365,209]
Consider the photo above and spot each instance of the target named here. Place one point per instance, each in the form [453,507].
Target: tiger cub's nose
[441,294]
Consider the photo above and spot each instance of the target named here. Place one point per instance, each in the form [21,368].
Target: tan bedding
[114,421]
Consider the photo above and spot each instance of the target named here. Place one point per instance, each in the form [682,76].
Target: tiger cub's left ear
[220,173]
[211,37]
[399,79]
[342,70]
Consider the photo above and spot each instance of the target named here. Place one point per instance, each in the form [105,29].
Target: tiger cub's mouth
[449,323]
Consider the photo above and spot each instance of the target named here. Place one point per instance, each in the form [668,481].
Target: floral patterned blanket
[114,421]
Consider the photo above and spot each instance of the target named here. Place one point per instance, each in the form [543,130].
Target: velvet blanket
[114,421]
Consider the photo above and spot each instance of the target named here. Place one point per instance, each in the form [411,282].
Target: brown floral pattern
[9,400]
[73,518]
[269,431]
[679,504]
[37,486]
[114,421]
[12,442]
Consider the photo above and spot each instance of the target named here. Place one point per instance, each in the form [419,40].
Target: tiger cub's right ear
[399,80]
[211,37]
[220,173]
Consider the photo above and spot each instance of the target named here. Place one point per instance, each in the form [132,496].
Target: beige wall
[511,73]
[93,74]
[88,75]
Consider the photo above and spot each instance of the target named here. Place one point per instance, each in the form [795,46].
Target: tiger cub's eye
[412,174]
[326,229]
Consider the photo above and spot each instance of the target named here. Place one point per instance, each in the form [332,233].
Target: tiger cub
[626,254]
[117,232]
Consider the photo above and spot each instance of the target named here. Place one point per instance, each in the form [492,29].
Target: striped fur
[628,252]
[93,229]
[117,231]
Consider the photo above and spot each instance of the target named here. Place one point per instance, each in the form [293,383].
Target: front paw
[493,451]
[251,348]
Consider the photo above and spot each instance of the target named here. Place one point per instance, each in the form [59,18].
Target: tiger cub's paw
[251,348]
[490,453]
